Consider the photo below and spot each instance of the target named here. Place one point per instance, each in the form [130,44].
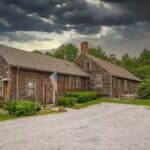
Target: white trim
[78,82]
[35,85]
[6,79]
[85,65]
[99,76]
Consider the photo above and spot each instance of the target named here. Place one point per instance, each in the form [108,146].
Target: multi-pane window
[115,83]
[87,65]
[98,81]
[1,94]
[78,82]
[130,86]
[31,88]
[74,82]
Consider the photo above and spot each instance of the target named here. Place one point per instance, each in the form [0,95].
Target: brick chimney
[112,59]
[84,47]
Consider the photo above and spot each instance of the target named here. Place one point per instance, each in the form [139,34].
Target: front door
[47,92]
[6,90]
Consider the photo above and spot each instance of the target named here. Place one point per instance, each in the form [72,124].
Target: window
[72,82]
[115,83]
[31,88]
[1,91]
[98,81]
[78,82]
[87,65]
[130,86]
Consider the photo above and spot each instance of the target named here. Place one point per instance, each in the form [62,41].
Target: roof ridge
[35,54]
[113,66]
[21,58]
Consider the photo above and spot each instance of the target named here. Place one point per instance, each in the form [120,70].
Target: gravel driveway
[100,127]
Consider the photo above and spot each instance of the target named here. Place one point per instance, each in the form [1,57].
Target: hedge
[22,108]
[67,101]
[84,96]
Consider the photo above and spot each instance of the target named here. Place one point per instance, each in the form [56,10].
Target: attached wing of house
[105,76]
[27,60]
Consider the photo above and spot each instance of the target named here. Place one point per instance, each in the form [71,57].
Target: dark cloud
[23,37]
[55,15]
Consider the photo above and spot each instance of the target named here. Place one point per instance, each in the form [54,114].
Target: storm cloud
[60,15]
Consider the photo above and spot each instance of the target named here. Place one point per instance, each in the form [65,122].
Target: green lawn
[4,117]
[109,100]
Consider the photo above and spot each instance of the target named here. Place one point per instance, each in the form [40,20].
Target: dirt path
[105,127]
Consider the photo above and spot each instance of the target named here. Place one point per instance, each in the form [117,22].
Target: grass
[110,100]
[44,111]
[4,117]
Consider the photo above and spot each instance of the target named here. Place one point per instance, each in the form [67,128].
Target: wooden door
[6,90]
[47,92]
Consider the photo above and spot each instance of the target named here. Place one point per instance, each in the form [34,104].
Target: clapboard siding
[39,77]
[96,70]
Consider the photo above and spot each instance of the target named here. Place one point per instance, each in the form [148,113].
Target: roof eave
[48,71]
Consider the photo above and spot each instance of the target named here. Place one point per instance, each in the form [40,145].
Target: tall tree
[139,66]
[97,52]
[67,52]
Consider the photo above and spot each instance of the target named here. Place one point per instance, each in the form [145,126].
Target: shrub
[67,101]
[84,96]
[22,108]
[144,90]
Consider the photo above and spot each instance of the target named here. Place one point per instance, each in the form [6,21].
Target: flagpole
[53,79]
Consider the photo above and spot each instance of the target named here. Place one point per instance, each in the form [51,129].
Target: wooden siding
[123,86]
[3,68]
[40,79]
[96,70]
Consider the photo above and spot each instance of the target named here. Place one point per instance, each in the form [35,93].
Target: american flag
[54,79]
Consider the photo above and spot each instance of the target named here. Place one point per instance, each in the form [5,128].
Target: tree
[128,63]
[139,66]
[67,52]
[37,52]
[97,52]
[144,58]
[144,89]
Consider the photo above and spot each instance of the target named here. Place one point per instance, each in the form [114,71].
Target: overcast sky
[118,26]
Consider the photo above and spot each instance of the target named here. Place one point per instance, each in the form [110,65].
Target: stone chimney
[84,47]
[112,59]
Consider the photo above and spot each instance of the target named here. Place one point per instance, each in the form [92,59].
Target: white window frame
[72,82]
[78,82]
[100,77]
[34,88]
[85,62]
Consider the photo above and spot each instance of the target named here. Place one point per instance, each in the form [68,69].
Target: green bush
[144,90]
[22,108]
[84,96]
[67,101]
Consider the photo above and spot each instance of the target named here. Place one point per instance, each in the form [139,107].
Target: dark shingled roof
[113,69]
[23,59]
